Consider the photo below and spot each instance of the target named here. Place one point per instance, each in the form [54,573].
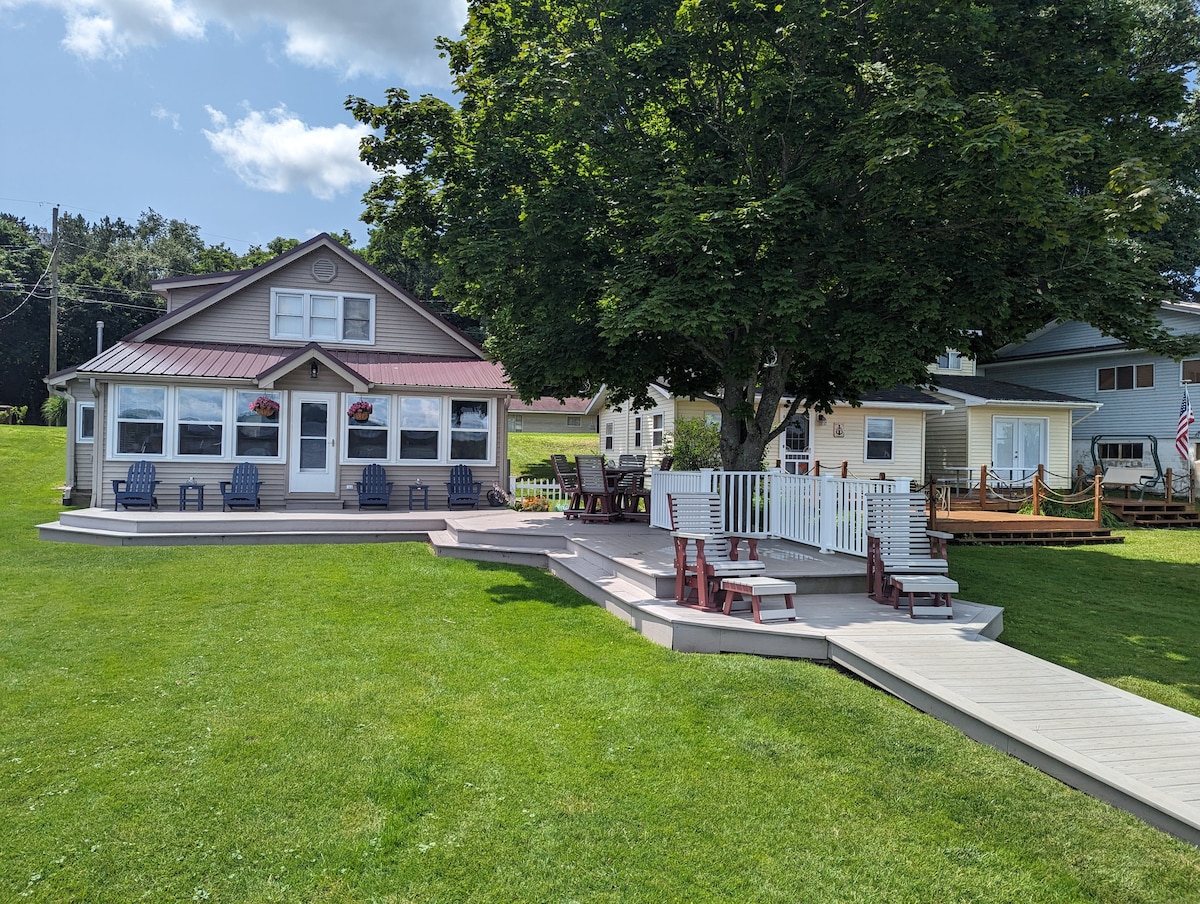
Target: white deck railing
[826,512]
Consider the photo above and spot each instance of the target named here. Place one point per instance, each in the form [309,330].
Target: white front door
[796,446]
[312,457]
[1019,445]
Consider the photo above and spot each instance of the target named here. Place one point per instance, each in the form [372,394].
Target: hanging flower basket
[360,410]
[265,406]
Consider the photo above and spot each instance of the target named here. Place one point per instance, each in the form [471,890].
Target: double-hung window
[322,316]
[257,434]
[637,433]
[656,438]
[141,419]
[420,426]
[368,440]
[881,439]
[469,429]
[200,421]
[1190,370]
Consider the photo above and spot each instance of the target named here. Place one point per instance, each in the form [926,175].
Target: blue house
[1139,392]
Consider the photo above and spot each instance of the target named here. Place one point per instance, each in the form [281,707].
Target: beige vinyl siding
[539,422]
[1058,440]
[623,431]
[245,317]
[946,441]
[908,439]
[177,298]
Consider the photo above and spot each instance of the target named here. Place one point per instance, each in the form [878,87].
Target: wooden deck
[974,525]
[1134,753]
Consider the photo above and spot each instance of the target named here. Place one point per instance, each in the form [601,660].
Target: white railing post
[827,508]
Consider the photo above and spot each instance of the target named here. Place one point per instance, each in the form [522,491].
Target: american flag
[1186,419]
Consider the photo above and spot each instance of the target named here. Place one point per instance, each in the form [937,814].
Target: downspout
[99,438]
[69,481]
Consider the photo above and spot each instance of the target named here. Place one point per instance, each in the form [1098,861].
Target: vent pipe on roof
[99,336]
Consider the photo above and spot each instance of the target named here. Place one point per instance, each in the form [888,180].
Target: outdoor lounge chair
[900,543]
[462,488]
[697,519]
[374,489]
[137,489]
[568,482]
[242,490]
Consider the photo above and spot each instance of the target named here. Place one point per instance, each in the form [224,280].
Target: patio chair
[632,495]
[462,488]
[241,491]
[598,487]
[631,461]
[698,518]
[138,487]
[374,489]
[900,543]
[568,482]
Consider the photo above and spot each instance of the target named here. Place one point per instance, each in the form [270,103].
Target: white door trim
[310,471]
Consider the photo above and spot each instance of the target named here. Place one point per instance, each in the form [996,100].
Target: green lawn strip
[371,723]
[1126,614]
[529,453]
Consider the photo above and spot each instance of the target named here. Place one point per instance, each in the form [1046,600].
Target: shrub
[54,411]
[695,444]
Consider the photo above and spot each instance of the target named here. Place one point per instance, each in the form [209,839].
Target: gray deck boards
[1130,751]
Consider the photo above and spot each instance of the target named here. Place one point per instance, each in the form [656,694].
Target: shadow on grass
[542,587]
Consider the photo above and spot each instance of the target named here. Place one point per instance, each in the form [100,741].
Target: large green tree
[765,200]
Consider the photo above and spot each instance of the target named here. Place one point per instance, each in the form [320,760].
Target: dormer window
[322,316]
[951,360]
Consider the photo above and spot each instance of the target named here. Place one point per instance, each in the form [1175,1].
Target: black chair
[139,484]
[374,489]
[242,490]
[462,488]
[598,488]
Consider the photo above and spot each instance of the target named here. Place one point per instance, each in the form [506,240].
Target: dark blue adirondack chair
[462,488]
[242,490]
[374,489]
[139,484]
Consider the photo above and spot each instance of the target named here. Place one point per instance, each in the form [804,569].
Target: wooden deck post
[983,486]
[1037,491]
[1097,497]
[845,469]
[816,471]
[1169,479]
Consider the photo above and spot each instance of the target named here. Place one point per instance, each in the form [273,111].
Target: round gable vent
[324,269]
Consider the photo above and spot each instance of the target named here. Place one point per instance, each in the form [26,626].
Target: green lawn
[354,723]
[529,453]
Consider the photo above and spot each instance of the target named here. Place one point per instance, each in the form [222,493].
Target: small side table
[418,492]
[187,490]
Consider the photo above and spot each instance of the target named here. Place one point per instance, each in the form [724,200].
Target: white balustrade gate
[826,512]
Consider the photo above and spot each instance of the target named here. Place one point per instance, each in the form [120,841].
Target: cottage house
[549,415]
[309,333]
[884,435]
[1009,429]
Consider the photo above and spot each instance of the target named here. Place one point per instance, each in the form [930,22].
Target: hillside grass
[529,453]
[354,723]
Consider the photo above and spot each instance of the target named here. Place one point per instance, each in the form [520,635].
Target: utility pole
[54,292]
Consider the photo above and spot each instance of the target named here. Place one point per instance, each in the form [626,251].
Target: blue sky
[225,113]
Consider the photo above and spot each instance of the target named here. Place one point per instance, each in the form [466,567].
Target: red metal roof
[221,361]
[550,405]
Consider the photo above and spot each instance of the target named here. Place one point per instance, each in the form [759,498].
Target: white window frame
[176,423]
[381,415]
[240,397]
[80,435]
[115,422]
[637,433]
[608,436]
[306,333]
[952,359]
[656,435]
[1194,364]
[445,430]
[1116,369]
[867,439]
[574,420]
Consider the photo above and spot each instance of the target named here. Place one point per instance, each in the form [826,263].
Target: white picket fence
[524,487]
[826,512]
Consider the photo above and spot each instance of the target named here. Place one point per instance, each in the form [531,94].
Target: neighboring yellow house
[1009,429]
[885,435]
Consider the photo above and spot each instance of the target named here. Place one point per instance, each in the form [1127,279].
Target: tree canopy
[763,201]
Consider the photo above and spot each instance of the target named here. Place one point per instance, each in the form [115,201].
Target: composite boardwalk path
[1136,754]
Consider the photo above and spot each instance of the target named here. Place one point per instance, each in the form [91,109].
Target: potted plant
[265,406]
[496,497]
[360,410]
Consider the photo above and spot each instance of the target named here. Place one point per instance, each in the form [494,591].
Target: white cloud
[161,112]
[277,152]
[377,37]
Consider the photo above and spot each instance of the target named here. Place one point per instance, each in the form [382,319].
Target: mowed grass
[370,723]
[529,453]
[1127,614]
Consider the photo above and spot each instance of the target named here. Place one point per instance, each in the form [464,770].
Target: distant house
[549,415]
[1140,392]
[314,330]
[886,434]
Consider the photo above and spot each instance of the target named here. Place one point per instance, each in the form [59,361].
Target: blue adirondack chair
[139,484]
[242,490]
[374,489]
[462,488]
